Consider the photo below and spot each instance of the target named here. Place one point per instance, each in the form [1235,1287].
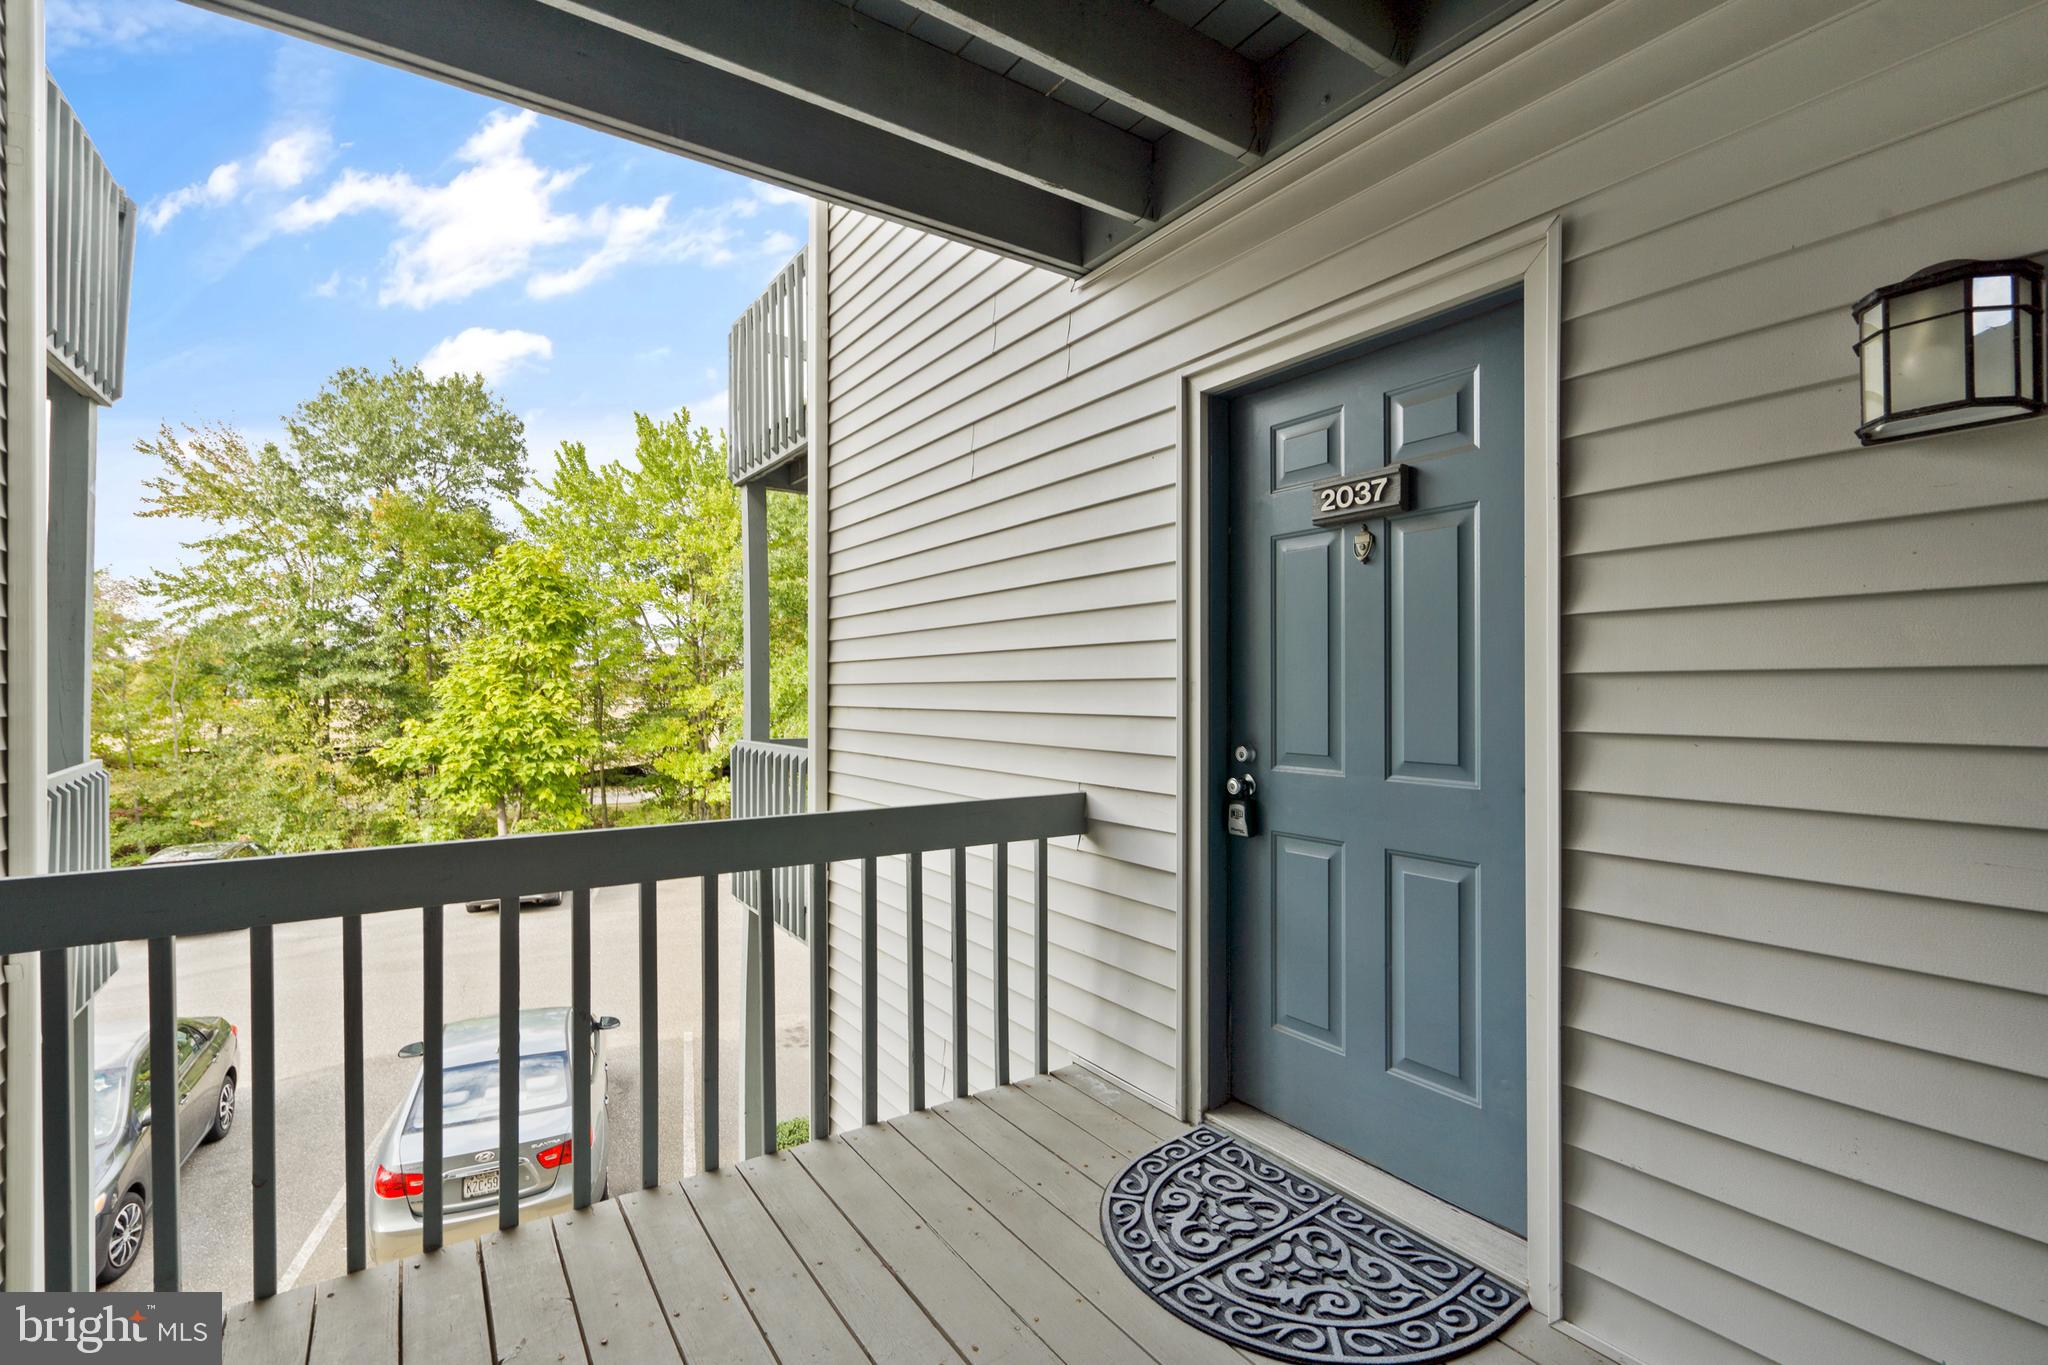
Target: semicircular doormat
[1270,1260]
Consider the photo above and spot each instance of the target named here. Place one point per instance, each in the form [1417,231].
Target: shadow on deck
[966,1233]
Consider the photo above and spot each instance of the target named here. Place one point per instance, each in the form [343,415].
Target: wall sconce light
[1957,345]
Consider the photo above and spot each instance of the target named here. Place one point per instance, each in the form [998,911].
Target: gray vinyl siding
[4,411]
[1805,802]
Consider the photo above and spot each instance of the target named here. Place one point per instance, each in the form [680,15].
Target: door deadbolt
[1244,753]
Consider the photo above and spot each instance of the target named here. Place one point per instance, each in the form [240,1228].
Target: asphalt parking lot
[213,979]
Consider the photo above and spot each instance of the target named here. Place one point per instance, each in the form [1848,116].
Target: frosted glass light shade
[1959,344]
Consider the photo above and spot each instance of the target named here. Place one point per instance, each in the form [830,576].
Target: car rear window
[469,1094]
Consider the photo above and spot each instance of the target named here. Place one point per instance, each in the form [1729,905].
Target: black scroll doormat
[1270,1260]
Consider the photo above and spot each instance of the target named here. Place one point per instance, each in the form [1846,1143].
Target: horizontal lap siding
[1806,695]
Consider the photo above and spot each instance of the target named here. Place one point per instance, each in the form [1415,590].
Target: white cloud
[498,219]
[775,194]
[627,235]
[100,24]
[282,164]
[479,229]
[486,351]
[288,160]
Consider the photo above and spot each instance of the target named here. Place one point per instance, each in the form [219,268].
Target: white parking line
[689,1090]
[312,1242]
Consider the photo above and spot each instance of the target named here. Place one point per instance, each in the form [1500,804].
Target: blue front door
[1375,969]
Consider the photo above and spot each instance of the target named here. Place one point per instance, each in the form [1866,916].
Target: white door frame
[1529,257]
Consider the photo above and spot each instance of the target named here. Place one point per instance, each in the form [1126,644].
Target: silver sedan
[469,1106]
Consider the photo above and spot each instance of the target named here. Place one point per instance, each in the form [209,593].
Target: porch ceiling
[1056,131]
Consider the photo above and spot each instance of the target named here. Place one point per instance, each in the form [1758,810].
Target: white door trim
[1530,257]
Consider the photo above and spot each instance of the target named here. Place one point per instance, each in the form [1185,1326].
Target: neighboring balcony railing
[769,354]
[80,799]
[55,913]
[92,256]
[773,777]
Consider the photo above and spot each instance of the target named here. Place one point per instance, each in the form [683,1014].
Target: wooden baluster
[709,1025]
[508,1061]
[1002,963]
[960,1067]
[650,1040]
[819,929]
[353,1155]
[1042,935]
[582,1130]
[433,1160]
[914,928]
[870,1034]
[163,1108]
[261,1090]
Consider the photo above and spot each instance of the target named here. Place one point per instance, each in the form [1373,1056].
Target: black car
[209,1063]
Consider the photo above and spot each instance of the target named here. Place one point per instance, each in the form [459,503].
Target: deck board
[275,1331]
[796,1317]
[1056,1309]
[709,1314]
[622,1319]
[1076,1252]
[355,1319]
[1121,1135]
[874,1301]
[442,1316]
[970,1232]
[1158,1123]
[533,1318]
[972,1316]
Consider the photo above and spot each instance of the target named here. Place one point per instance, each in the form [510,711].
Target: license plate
[477,1186]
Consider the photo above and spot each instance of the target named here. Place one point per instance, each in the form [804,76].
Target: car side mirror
[142,1120]
[606,1021]
[413,1050]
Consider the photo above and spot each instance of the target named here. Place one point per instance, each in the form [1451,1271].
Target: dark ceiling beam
[1131,52]
[1367,31]
[860,68]
[544,59]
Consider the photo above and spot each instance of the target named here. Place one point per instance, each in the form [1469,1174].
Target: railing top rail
[69,910]
[91,768]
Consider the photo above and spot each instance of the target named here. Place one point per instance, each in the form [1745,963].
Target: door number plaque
[1361,497]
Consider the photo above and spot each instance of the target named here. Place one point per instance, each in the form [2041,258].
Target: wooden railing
[55,913]
[769,356]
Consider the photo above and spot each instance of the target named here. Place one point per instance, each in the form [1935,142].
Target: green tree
[506,736]
[338,551]
[657,540]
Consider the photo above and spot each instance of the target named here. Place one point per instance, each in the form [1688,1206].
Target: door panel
[1375,914]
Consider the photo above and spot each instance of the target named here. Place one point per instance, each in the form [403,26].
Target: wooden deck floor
[965,1234]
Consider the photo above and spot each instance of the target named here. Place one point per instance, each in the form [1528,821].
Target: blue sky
[305,210]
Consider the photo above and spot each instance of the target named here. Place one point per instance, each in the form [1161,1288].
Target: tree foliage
[383,631]
[505,735]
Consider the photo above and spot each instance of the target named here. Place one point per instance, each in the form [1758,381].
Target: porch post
[74,426]
[26,453]
[754,544]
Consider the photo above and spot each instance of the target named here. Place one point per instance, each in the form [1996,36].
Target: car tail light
[400,1184]
[551,1157]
